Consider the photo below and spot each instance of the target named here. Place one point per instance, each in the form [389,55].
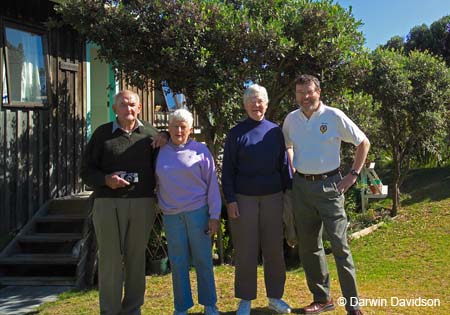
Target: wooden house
[55,92]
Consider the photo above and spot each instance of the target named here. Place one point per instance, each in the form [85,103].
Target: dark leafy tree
[440,31]
[414,94]
[198,47]
[435,39]
[420,38]
[319,38]
[208,48]
[396,43]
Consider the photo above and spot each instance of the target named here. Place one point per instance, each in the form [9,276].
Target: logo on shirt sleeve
[323,128]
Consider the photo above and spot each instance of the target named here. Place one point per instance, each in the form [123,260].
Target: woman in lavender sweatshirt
[189,197]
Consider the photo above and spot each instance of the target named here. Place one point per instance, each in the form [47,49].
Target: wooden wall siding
[27,11]
[41,149]
[147,98]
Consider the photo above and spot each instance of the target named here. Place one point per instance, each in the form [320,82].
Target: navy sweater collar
[254,122]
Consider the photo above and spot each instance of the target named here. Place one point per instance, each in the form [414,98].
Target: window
[24,69]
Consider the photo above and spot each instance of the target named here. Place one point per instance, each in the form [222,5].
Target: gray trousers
[259,227]
[122,227]
[318,205]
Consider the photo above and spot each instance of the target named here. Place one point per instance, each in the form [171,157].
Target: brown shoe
[355,312]
[317,307]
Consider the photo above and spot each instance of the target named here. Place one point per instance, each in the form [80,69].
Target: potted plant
[156,252]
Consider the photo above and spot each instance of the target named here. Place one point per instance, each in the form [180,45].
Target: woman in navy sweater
[253,179]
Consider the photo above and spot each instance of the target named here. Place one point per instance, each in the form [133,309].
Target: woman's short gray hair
[258,90]
[182,115]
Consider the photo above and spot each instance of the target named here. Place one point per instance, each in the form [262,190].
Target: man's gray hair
[254,90]
[182,115]
[120,94]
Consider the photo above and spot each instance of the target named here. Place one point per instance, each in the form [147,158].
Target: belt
[315,177]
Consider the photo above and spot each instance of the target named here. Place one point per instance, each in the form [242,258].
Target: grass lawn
[403,261]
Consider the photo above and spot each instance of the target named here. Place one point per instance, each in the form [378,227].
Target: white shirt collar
[116,125]
[317,112]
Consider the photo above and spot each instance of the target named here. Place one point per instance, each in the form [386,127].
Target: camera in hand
[130,177]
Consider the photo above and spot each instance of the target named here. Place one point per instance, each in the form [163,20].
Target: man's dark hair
[307,79]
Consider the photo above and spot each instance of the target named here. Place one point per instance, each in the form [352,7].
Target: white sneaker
[211,310]
[279,306]
[244,307]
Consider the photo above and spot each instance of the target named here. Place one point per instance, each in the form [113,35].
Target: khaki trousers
[122,227]
[259,227]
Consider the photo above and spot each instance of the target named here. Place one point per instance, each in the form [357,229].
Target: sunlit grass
[406,258]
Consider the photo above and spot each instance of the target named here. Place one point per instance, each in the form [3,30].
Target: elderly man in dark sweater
[119,164]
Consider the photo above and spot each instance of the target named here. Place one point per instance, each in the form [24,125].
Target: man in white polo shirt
[313,135]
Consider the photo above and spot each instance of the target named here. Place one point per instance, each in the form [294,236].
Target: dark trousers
[259,227]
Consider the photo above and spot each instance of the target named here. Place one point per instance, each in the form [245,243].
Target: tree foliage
[414,94]
[420,38]
[208,48]
[363,110]
[435,39]
[396,42]
[318,37]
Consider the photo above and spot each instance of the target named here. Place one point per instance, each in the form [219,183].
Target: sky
[384,19]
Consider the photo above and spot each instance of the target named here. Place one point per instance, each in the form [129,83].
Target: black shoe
[318,307]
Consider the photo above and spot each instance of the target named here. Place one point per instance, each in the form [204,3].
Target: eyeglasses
[179,127]
[304,93]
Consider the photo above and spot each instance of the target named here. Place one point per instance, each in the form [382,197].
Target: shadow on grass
[256,311]
[431,184]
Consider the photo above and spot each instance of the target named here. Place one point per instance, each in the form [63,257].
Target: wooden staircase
[51,248]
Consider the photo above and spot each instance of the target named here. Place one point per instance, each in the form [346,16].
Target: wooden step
[33,281]
[50,237]
[57,225]
[48,243]
[69,206]
[62,218]
[39,259]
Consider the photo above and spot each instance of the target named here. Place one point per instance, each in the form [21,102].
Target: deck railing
[161,120]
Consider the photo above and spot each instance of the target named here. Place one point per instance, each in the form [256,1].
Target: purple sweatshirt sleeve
[208,170]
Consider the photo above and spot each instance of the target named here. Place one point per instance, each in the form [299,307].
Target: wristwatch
[354,173]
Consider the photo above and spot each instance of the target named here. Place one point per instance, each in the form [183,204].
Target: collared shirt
[114,150]
[116,126]
[317,141]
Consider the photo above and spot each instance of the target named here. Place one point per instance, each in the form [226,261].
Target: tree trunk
[212,144]
[395,198]
[396,187]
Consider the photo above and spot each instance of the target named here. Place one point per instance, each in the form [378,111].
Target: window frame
[4,64]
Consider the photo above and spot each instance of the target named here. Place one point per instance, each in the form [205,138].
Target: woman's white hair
[258,90]
[182,115]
